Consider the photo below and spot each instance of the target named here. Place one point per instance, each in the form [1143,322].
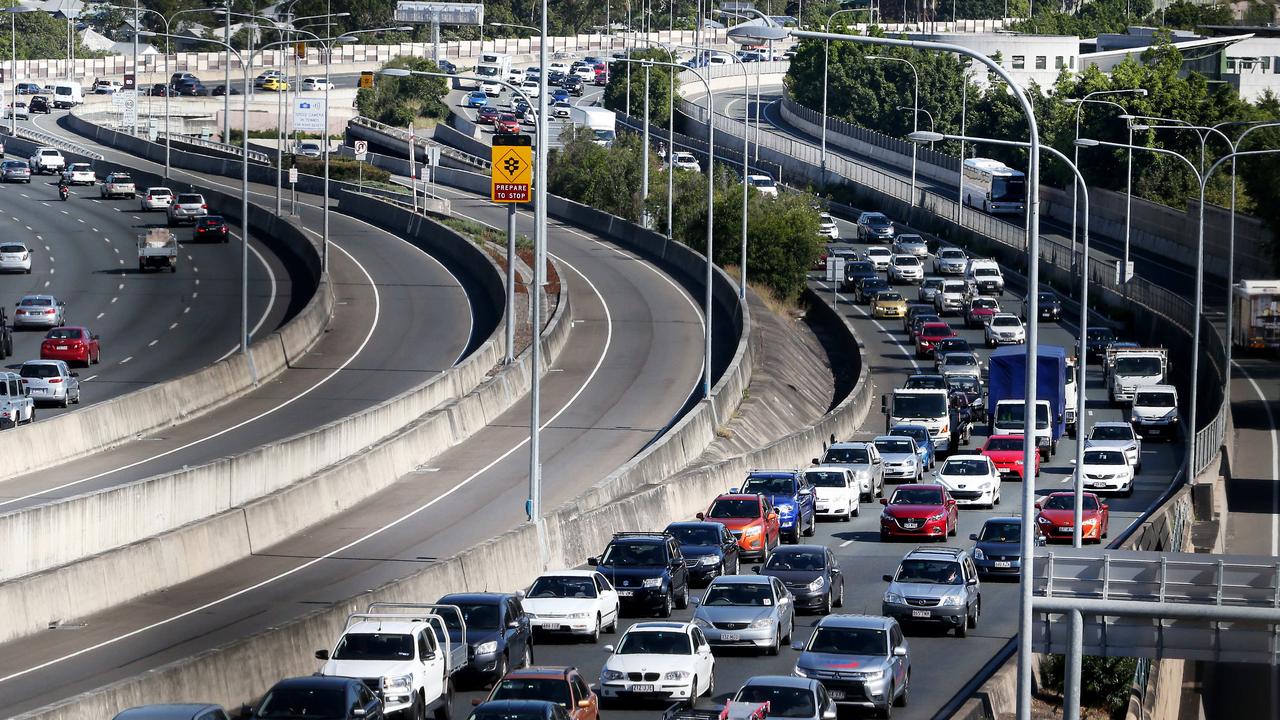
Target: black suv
[573,84]
[39,104]
[1050,307]
[647,569]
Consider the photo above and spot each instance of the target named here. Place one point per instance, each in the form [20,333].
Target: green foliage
[1260,13]
[1187,15]
[342,168]
[40,35]
[1105,682]
[399,100]
[607,179]
[615,93]
[1102,16]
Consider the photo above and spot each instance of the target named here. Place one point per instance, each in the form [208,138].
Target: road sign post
[511,161]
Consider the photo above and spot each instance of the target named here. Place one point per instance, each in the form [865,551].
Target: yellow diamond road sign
[512,170]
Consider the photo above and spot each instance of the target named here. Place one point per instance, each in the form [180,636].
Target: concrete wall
[108,423]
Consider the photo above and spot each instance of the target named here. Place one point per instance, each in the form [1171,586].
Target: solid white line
[1275,459]
[271,301]
[846,543]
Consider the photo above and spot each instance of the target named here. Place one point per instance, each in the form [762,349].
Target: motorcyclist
[63,190]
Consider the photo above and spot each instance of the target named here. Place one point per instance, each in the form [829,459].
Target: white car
[156,198]
[1107,470]
[905,269]
[950,261]
[763,184]
[561,109]
[15,257]
[1117,436]
[670,662]
[491,88]
[827,227]
[51,381]
[515,76]
[959,363]
[685,161]
[950,297]
[911,244]
[23,112]
[314,83]
[586,72]
[79,174]
[971,479]
[309,148]
[530,88]
[836,491]
[1004,329]
[559,67]
[576,602]
[879,256]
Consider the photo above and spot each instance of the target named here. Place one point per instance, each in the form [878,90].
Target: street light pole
[915,115]
[644,163]
[826,62]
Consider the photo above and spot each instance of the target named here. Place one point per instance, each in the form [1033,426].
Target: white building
[1027,58]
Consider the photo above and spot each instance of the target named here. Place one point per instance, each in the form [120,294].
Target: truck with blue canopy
[1006,393]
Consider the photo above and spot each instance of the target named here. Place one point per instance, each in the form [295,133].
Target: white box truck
[1256,304]
[599,121]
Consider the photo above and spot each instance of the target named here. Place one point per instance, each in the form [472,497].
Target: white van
[66,93]
[984,276]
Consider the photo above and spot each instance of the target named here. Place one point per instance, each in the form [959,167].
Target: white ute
[47,160]
[403,653]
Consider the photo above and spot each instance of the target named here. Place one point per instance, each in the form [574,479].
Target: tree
[660,97]
[1186,15]
[40,35]
[400,100]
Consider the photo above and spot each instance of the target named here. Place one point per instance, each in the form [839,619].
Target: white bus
[492,65]
[994,187]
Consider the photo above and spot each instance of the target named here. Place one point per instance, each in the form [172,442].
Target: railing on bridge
[420,141]
[45,138]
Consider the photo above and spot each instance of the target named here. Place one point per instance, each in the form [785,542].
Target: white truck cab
[1010,415]
[1131,368]
[985,276]
[928,407]
[47,160]
[1154,412]
[1069,407]
[403,653]
[16,405]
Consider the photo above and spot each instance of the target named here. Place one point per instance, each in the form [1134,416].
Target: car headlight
[801,672]
[763,622]
[487,648]
[398,682]
[819,583]
[708,560]
[868,675]
[938,516]
[576,616]
[676,675]
[752,531]
[894,598]
[1090,522]
[952,601]
[1043,520]
[608,675]
[651,582]
[701,623]
[786,509]
[978,554]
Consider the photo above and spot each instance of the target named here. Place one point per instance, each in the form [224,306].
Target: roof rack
[641,533]
[941,549]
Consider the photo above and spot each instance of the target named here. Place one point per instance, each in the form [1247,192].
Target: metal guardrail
[257,156]
[424,142]
[1173,578]
[45,138]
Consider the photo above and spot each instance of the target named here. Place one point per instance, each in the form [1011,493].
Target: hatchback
[810,573]
[15,171]
[1056,517]
[39,311]
[999,546]
[788,697]
[51,381]
[920,511]
[317,696]
[15,257]
[40,104]
[563,686]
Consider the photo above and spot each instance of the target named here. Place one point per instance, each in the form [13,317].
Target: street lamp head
[395,72]
[146,34]
[1072,101]
[1140,127]
[1140,91]
[1086,143]
[1126,117]
[21,9]
[758,32]
[921,136]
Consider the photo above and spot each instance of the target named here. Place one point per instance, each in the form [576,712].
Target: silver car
[789,697]
[51,381]
[911,244]
[950,261]
[864,460]
[959,363]
[929,288]
[861,660]
[15,171]
[746,611]
[43,311]
[935,586]
[187,207]
[901,458]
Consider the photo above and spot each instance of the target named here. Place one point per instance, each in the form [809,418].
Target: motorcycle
[64,191]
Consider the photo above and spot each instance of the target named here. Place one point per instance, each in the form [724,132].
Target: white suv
[1004,329]
[659,661]
[905,269]
[1117,436]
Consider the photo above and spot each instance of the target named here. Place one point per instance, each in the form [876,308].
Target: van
[984,276]
[66,94]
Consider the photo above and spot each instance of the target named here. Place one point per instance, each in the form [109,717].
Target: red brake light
[204,207]
[54,381]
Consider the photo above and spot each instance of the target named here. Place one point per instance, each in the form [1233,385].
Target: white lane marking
[846,543]
[114,299]
[372,533]
[121,362]
[911,353]
[152,343]
[29,228]
[1275,460]
[186,309]
[46,283]
[271,301]
[85,380]
[100,316]
[173,325]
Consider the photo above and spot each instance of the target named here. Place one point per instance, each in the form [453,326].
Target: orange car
[563,686]
[751,519]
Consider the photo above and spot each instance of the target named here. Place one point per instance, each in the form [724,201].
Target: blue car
[498,634]
[791,495]
[476,99]
[924,442]
[560,95]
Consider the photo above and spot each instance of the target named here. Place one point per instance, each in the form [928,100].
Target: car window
[796,560]
[187,198]
[936,572]
[827,478]
[786,702]
[894,446]
[1104,457]
[1111,432]
[520,688]
[848,456]
[32,370]
[697,534]
[769,485]
[917,496]
[966,467]
[637,554]
[734,508]
[738,594]
[848,641]
[660,642]
[563,586]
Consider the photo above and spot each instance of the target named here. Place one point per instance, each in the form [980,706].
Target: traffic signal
[366,79]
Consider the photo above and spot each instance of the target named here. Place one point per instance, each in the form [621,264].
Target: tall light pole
[644,163]
[915,115]
[14,11]
[826,63]
[136,75]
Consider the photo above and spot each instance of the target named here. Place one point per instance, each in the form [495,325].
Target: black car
[810,573]
[499,636]
[868,287]
[919,320]
[856,271]
[574,85]
[925,381]
[709,549]
[951,344]
[1097,340]
[317,696]
[212,228]
[39,104]
[554,77]
[999,546]
[447,67]
[1050,307]
[190,88]
[220,90]
[647,569]
[173,711]
[519,710]
[913,311]
[156,90]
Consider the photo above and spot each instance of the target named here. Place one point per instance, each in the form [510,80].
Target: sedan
[917,511]
[905,269]
[315,83]
[39,311]
[1107,470]
[1049,307]
[827,227]
[868,288]
[15,171]
[794,698]
[561,109]
[476,99]
[487,115]
[929,334]
[674,654]
[50,381]
[15,257]
[1056,517]
[810,573]
[506,124]
[999,546]
[71,344]
[1004,329]
[531,89]
[1006,452]
[929,288]
[221,90]
[156,198]
[211,228]
[914,324]
[836,491]
[749,611]
[573,602]
[970,479]
[563,686]
[911,245]
[888,303]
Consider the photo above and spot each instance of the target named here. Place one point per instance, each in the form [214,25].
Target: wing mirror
[593,561]
[884,501]
[584,703]
[814,461]
[733,490]
[358,712]
[773,516]
[973,536]
[608,648]
[900,651]
[701,516]
[887,578]
[322,654]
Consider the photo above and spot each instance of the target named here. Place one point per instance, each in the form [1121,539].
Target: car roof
[696,524]
[741,580]
[1003,519]
[1113,423]
[951,553]
[894,438]
[849,444]
[661,626]
[787,681]
[475,597]
[785,549]
[542,671]
[1007,436]
[969,456]
[315,681]
[165,711]
[575,573]
[871,622]
[517,706]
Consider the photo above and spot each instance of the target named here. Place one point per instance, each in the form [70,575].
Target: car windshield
[80,167]
[926,382]
[860,266]
[751,594]
[958,466]
[762,182]
[696,534]
[932,283]
[1009,413]
[14,165]
[956,359]
[964,383]
[304,703]
[1006,321]
[1149,398]
[734,508]
[935,330]
[952,254]
[787,702]
[1103,457]
[1137,366]
[770,485]
[985,271]
[159,191]
[634,554]
[1004,443]
[550,690]
[918,433]
[848,641]
[826,478]
[953,288]
[12,248]
[655,643]
[37,302]
[374,646]
[63,333]
[985,304]
[562,586]
[876,220]
[889,297]
[911,260]
[1001,531]
[919,406]
[917,496]
[796,560]
[1067,501]
[478,616]
[1111,432]
[896,447]
[848,456]
[936,572]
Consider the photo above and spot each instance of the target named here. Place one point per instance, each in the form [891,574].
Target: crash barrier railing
[45,138]
[421,141]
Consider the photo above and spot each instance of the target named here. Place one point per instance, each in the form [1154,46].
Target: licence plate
[625,593]
[730,637]
[38,391]
[1153,431]
[1004,564]
[836,694]
[921,613]
[642,688]
[62,347]
[1065,529]
[552,626]
[910,525]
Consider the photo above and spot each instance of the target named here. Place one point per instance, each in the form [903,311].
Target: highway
[632,360]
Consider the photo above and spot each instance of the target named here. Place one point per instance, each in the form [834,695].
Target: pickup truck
[47,160]
[404,654]
[1129,368]
[158,249]
[118,184]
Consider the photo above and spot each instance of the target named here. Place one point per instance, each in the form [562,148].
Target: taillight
[54,381]
[204,207]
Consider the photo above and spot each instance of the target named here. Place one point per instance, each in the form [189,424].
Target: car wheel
[901,700]
[418,711]
[595,635]
[813,526]
[693,694]
[954,528]
[776,644]
[972,620]
[791,629]
[682,600]
[665,610]
[711,686]
[66,400]
[503,667]
[887,709]
[884,536]
[827,603]
[445,711]
[527,659]
[839,601]
[962,630]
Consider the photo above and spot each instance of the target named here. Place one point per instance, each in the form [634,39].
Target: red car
[751,519]
[487,115]
[1056,518]
[564,686]
[930,333]
[602,74]
[506,124]
[212,228]
[1006,452]
[916,511]
[71,344]
[980,311]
